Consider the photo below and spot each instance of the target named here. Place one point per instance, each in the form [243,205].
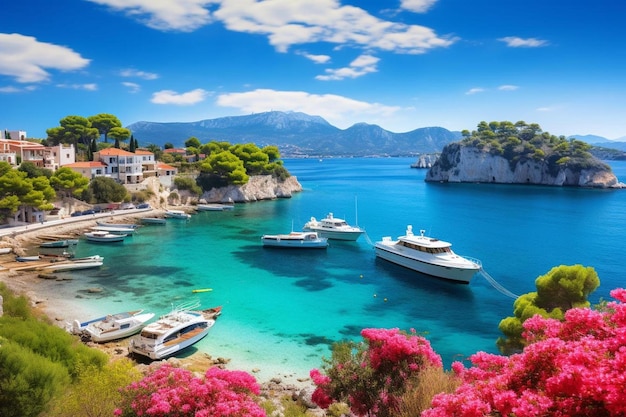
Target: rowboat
[59,243]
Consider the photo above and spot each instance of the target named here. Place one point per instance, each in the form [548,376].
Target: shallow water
[284,308]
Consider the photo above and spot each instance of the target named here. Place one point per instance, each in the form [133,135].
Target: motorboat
[122,225]
[182,327]
[154,220]
[104,236]
[117,326]
[333,228]
[115,229]
[64,243]
[303,240]
[427,255]
[177,214]
[214,207]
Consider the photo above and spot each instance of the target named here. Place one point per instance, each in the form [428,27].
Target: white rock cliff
[259,187]
[469,164]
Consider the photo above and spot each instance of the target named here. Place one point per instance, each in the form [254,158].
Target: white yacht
[115,326]
[184,326]
[427,255]
[333,228]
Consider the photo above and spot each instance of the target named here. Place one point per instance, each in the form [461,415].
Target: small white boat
[177,214]
[117,326]
[153,220]
[333,228]
[184,326]
[73,265]
[4,251]
[104,236]
[122,225]
[303,240]
[64,243]
[427,255]
[115,229]
[214,207]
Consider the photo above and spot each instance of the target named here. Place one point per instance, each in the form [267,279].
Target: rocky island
[520,153]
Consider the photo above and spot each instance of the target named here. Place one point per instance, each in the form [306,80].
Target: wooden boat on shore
[29,258]
[64,243]
[73,265]
[184,326]
[4,251]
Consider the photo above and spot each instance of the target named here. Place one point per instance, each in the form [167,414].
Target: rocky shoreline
[30,284]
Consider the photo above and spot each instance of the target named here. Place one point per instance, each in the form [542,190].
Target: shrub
[176,392]
[573,368]
[371,377]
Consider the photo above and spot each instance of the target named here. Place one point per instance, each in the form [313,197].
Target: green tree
[253,158]
[225,167]
[68,182]
[106,190]
[17,190]
[104,122]
[120,134]
[33,171]
[562,288]
[132,146]
[192,142]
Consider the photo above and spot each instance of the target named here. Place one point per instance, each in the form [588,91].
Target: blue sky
[400,64]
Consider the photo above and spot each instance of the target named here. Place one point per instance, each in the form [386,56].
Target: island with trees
[520,153]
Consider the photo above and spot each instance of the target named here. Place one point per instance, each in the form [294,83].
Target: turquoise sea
[283,309]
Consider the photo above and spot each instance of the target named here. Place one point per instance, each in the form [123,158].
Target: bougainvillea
[575,367]
[176,392]
[372,376]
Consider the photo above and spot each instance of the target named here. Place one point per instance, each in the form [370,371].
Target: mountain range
[297,134]
[301,135]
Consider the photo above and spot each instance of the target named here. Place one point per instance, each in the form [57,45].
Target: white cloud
[88,87]
[132,87]
[318,59]
[181,15]
[417,6]
[364,64]
[133,73]
[10,89]
[508,87]
[26,59]
[475,90]
[288,22]
[182,99]
[516,42]
[545,109]
[337,110]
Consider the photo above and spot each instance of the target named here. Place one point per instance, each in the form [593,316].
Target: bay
[284,309]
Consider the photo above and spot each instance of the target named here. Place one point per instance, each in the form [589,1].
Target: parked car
[77,213]
[86,212]
[127,206]
[143,206]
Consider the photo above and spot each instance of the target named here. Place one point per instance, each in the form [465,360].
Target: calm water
[283,309]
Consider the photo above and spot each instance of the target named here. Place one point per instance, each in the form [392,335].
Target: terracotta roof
[175,150]
[143,152]
[115,152]
[86,164]
[161,165]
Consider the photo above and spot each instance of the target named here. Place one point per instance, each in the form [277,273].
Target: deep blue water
[283,309]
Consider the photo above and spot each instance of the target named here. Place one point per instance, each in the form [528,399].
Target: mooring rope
[367,239]
[496,285]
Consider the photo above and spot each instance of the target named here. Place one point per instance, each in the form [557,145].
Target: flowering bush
[175,392]
[372,376]
[575,367]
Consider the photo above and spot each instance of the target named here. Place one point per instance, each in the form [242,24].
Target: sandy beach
[61,311]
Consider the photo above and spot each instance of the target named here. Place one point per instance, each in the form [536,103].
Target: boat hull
[336,235]
[458,274]
[278,241]
[99,332]
[162,350]
[73,266]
